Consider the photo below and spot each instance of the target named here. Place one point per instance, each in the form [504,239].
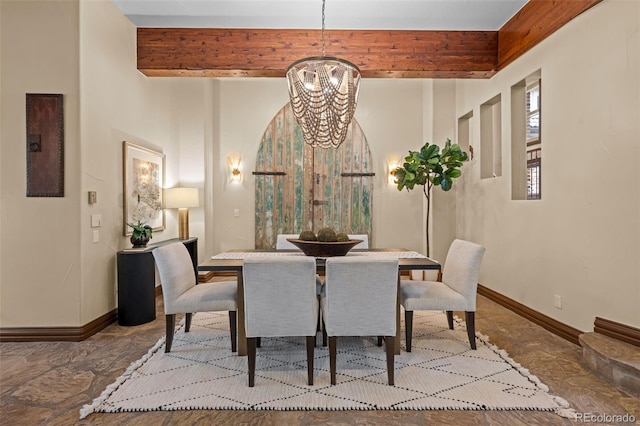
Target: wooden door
[299,187]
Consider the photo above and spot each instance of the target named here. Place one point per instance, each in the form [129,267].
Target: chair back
[365,241]
[462,268]
[360,296]
[280,296]
[282,243]
[176,272]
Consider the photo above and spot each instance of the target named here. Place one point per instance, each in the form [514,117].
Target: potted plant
[141,234]
[429,167]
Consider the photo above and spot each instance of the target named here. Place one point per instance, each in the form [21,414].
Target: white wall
[40,237]
[391,116]
[53,274]
[582,240]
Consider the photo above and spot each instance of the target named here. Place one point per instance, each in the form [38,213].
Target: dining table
[232,262]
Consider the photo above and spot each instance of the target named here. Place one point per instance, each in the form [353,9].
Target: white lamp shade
[176,198]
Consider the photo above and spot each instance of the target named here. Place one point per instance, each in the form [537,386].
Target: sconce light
[234,165]
[392,164]
[182,199]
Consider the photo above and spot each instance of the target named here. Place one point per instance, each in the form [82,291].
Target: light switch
[96,220]
[96,236]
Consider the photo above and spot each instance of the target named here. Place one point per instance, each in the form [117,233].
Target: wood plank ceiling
[211,52]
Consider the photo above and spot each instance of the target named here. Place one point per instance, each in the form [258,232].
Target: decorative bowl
[324,249]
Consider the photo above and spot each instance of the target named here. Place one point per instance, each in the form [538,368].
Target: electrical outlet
[96,236]
[557,301]
[236,212]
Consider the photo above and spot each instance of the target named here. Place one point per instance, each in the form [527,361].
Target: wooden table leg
[242,331]
[398,331]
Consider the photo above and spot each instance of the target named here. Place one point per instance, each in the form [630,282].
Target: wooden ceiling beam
[211,52]
[537,20]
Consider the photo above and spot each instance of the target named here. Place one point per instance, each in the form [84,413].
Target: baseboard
[556,327]
[57,334]
[618,331]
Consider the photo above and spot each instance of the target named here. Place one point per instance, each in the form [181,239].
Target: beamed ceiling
[379,53]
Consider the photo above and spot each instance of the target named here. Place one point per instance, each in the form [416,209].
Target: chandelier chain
[323,3]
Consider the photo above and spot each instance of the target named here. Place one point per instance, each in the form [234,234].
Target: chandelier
[324,94]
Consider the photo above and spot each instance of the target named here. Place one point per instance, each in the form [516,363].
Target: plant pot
[140,242]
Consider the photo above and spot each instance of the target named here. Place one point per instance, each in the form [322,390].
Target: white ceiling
[482,15]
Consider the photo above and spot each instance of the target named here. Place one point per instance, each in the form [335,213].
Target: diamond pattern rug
[441,372]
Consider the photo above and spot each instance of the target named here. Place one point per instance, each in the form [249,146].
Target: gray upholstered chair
[456,292]
[280,300]
[360,298]
[365,241]
[283,244]
[181,295]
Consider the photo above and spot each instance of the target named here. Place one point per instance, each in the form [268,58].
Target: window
[526,138]
[533,112]
[534,147]
[533,174]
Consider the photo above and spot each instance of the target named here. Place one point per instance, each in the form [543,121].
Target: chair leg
[311,344]
[390,343]
[450,319]
[233,327]
[379,340]
[259,342]
[319,316]
[187,322]
[251,359]
[408,328]
[171,323]
[332,358]
[470,318]
[324,334]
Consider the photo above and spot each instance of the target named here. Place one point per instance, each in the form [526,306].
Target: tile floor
[48,383]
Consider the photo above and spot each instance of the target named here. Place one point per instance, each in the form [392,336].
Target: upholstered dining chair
[359,298]
[280,301]
[456,292]
[365,241]
[181,295]
[283,244]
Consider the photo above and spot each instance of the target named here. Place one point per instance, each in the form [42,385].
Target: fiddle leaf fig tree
[429,167]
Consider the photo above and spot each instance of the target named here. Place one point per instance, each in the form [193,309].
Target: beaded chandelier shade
[324,94]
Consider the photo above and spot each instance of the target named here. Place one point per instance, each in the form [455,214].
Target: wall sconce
[235,174]
[234,165]
[392,164]
[182,199]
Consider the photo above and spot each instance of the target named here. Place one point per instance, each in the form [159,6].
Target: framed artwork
[143,177]
[45,145]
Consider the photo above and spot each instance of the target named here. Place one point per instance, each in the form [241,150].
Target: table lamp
[182,199]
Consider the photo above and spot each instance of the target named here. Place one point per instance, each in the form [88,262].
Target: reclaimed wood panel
[537,20]
[215,52]
[45,145]
[311,192]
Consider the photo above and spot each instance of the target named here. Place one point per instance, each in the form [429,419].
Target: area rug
[441,373]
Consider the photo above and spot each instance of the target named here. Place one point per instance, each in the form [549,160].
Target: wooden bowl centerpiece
[324,249]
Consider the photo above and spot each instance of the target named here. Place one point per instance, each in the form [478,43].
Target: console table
[137,281]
